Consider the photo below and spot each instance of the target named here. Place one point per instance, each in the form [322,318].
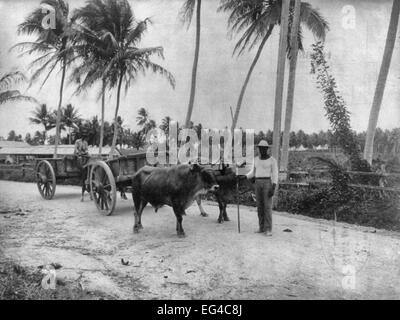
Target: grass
[21,283]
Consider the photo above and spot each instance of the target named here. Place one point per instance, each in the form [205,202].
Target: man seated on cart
[82,149]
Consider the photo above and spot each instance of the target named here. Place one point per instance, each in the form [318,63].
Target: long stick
[237,199]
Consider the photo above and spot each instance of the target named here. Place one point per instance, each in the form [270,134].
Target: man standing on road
[265,172]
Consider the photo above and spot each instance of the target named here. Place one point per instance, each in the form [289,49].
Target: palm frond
[186,12]
[11,78]
[253,19]
[131,53]
[314,21]
[156,68]
[52,62]
[38,47]
[14,95]
[136,34]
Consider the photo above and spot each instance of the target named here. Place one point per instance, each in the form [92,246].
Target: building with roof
[5,143]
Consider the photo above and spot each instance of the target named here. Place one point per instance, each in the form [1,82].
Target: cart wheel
[103,188]
[46,179]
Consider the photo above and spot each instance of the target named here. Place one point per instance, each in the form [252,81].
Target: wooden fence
[309,182]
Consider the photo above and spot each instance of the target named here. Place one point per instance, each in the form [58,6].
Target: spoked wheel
[46,179]
[103,188]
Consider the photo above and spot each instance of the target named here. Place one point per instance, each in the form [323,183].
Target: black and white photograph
[212,150]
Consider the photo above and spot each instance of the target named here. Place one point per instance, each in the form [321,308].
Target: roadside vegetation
[21,283]
[341,200]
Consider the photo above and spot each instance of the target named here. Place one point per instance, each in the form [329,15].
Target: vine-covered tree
[336,109]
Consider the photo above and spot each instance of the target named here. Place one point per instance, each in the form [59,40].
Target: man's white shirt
[267,168]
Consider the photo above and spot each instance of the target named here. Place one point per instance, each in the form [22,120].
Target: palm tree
[164,126]
[291,84]
[142,117]
[257,19]
[44,117]
[12,136]
[7,94]
[186,14]
[380,86]
[143,120]
[93,50]
[91,128]
[114,22]
[70,118]
[137,140]
[120,130]
[394,142]
[280,77]
[38,138]
[53,46]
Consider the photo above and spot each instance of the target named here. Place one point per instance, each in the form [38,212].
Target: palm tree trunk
[102,118]
[291,86]
[280,74]
[58,120]
[195,63]
[380,86]
[249,73]
[114,142]
[69,135]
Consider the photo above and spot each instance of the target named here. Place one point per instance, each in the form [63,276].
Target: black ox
[176,186]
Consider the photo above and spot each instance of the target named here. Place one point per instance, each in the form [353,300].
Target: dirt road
[317,259]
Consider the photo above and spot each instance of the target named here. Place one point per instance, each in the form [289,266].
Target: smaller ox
[175,186]
[226,193]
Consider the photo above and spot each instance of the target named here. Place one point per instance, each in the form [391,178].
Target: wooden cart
[104,176]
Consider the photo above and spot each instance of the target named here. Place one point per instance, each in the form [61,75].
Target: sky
[354,50]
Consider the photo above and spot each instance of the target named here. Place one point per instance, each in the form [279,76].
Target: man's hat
[84,133]
[264,144]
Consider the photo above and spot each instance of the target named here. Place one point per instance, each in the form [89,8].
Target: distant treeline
[387,142]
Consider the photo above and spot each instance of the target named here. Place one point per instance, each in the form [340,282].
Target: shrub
[358,206]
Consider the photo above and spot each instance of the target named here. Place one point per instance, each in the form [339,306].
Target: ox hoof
[220,220]
[135,229]
[203,214]
[227,219]
[181,235]
[140,226]
[82,200]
